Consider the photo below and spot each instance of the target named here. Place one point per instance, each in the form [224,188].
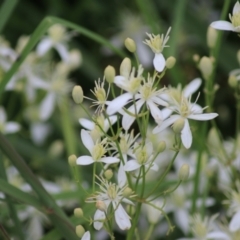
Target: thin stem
[149,232]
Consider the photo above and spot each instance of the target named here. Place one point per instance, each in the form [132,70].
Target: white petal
[218,235]
[118,103]
[121,82]
[85,160]
[86,236]
[121,217]
[195,108]
[159,62]
[186,135]
[87,123]
[39,132]
[127,119]
[87,140]
[12,127]
[112,120]
[47,106]
[203,116]
[181,218]
[236,8]
[37,82]
[131,165]
[154,167]
[99,215]
[166,123]
[234,224]
[63,52]
[192,87]
[222,25]
[155,112]
[109,160]
[122,177]
[44,46]
[3,117]
[166,112]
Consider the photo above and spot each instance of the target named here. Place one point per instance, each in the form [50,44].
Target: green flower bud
[78,212]
[196,58]
[125,67]
[77,94]
[109,74]
[178,125]
[72,160]
[212,35]
[130,45]
[108,174]
[80,230]
[183,172]
[127,192]
[232,81]
[206,67]
[170,62]
[161,146]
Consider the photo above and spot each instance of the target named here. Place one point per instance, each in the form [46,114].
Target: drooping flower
[157,43]
[110,194]
[97,151]
[234,25]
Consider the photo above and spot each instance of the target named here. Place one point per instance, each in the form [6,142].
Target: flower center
[98,151]
[235,19]
[56,32]
[142,156]
[112,193]
[134,85]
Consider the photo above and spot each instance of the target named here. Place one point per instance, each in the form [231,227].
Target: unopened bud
[80,230]
[125,67]
[170,62]
[130,45]
[127,192]
[78,212]
[196,58]
[183,172]
[212,35]
[56,149]
[101,205]
[109,74]
[108,174]
[72,160]
[178,125]
[161,146]
[232,81]
[206,67]
[77,94]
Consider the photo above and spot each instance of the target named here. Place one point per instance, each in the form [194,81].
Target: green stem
[6,11]
[4,233]
[149,232]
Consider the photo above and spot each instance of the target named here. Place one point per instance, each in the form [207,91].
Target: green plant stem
[54,212]
[4,233]
[149,232]
[12,210]
[6,11]
[45,24]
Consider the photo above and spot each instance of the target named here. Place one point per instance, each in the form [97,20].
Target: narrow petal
[86,236]
[196,109]
[236,8]
[122,177]
[99,215]
[154,167]
[118,103]
[121,217]
[47,106]
[192,87]
[155,112]
[39,132]
[87,123]
[121,81]
[203,116]
[44,46]
[131,165]
[222,25]
[63,52]
[159,62]
[186,135]
[85,160]
[181,218]
[12,127]
[87,140]
[166,123]
[109,160]
[218,235]
[112,120]
[234,223]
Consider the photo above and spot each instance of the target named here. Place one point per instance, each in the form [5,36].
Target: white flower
[235,21]
[143,157]
[157,43]
[111,194]
[185,110]
[97,151]
[131,84]
[7,127]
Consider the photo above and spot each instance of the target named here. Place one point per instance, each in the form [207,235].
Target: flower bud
[77,94]
[78,212]
[170,62]
[178,125]
[101,205]
[127,192]
[125,67]
[108,174]
[130,45]
[161,146]
[206,67]
[232,81]
[196,58]
[109,74]
[72,160]
[56,149]
[80,230]
[75,58]
[212,35]
[183,172]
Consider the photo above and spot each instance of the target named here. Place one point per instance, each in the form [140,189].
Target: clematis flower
[97,151]
[111,194]
[157,43]
[234,25]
